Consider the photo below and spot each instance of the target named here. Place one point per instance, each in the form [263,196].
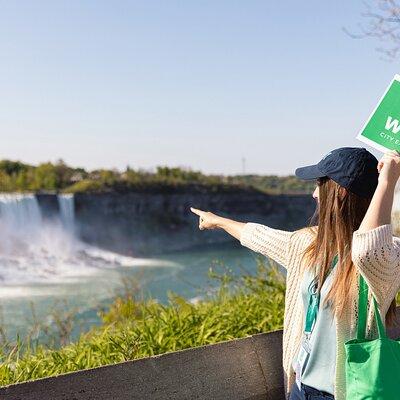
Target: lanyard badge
[312,310]
[305,348]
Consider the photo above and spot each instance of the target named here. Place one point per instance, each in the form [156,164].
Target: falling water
[67,212]
[35,249]
[20,224]
[20,215]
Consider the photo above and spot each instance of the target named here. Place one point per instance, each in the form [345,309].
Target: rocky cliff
[149,222]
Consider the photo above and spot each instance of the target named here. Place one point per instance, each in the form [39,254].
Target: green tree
[46,177]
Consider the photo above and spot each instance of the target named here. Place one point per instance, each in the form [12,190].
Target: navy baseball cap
[354,168]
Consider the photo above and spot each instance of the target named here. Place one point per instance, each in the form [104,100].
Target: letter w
[393,125]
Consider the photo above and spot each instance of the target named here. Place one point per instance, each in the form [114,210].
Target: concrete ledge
[242,369]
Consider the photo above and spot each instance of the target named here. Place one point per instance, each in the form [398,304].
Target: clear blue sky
[184,83]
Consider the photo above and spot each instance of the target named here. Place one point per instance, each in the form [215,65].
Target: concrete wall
[249,368]
[242,369]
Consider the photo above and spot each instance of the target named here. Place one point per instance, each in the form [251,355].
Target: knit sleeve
[376,256]
[273,243]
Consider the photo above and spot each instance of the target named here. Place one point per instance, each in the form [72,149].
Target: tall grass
[242,305]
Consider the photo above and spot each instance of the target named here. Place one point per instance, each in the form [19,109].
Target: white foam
[126,261]
[33,250]
[26,291]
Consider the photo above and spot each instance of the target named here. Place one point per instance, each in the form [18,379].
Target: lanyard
[313,303]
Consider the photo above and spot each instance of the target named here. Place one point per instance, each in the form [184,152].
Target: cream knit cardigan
[376,255]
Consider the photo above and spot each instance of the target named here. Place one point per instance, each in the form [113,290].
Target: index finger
[197,212]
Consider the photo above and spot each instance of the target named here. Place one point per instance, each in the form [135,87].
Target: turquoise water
[185,273]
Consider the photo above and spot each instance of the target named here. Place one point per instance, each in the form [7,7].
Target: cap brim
[309,172]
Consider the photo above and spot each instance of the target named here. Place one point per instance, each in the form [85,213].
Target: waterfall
[38,249]
[67,212]
[21,223]
[33,248]
[20,214]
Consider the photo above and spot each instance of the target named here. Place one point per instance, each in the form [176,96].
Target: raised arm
[273,243]
[270,242]
[374,252]
[380,209]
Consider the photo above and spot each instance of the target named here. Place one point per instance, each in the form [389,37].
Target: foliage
[85,185]
[274,184]
[16,176]
[132,328]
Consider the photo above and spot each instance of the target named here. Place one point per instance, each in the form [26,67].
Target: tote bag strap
[362,311]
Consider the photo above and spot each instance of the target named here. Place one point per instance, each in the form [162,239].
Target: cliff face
[48,204]
[149,223]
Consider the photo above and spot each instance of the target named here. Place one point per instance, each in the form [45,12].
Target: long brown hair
[338,214]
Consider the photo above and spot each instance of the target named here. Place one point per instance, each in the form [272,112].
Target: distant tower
[243,165]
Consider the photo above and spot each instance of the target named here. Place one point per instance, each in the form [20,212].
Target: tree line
[16,176]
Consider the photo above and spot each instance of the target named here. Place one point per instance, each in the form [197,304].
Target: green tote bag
[372,365]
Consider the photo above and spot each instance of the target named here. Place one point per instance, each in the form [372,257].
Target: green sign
[382,129]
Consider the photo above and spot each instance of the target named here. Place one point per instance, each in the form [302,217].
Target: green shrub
[85,186]
[241,306]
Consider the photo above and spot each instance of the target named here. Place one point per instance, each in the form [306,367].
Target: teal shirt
[319,372]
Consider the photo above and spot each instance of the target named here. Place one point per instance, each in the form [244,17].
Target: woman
[352,235]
